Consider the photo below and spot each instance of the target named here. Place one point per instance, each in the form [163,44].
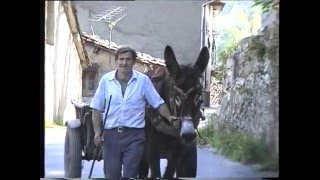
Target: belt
[123,128]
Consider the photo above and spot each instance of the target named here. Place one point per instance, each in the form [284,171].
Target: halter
[156,75]
[183,98]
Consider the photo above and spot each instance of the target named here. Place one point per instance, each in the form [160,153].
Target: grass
[238,146]
[51,124]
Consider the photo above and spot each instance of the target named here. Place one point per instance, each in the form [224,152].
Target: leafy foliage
[223,56]
[237,21]
[266,5]
[238,146]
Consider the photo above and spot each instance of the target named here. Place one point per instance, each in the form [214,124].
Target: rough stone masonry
[250,99]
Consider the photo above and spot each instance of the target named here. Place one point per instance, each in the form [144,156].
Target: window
[89,80]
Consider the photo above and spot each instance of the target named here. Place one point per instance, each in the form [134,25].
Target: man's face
[125,62]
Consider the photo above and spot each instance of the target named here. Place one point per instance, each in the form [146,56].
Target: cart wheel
[72,153]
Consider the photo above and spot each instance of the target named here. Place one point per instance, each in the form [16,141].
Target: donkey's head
[185,89]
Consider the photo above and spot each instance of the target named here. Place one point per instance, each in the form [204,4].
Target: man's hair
[124,49]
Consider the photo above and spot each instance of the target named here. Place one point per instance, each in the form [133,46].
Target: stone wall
[251,87]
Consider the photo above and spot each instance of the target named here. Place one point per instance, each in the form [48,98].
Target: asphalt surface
[210,164]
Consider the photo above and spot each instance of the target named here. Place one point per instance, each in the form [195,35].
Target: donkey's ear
[202,60]
[171,61]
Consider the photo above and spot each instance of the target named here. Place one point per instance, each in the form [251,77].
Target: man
[123,135]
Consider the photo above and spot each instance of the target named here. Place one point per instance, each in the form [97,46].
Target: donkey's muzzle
[187,132]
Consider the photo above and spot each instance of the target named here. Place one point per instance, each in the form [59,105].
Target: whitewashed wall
[63,72]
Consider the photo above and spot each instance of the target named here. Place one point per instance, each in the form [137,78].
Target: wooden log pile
[215,93]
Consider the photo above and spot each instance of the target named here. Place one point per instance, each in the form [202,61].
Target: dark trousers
[122,149]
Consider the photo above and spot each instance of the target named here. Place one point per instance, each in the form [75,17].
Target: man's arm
[97,105]
[96,121]
[160,124]
[164,111]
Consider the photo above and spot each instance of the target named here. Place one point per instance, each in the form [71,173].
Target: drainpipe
[202,28]
[203,23]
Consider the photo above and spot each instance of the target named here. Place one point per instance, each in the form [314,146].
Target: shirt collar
[112,75]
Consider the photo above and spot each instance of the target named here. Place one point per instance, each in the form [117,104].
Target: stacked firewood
[215,93]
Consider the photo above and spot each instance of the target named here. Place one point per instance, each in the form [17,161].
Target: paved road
[210,164]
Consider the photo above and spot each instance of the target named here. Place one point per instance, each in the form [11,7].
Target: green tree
[266,5]
[238,20]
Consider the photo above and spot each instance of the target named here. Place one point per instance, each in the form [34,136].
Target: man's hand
[175,121]
[164,111]
[97,139]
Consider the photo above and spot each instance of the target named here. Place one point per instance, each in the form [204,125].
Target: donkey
[181,88]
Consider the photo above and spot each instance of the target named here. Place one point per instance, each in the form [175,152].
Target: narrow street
[210,165]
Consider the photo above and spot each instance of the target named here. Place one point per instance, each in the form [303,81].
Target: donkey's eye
[178,101]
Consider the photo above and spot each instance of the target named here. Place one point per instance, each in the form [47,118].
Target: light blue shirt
[127,110]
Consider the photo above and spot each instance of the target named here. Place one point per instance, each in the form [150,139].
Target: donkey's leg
[144,163]
[179,165]
[171,163]
[155,163]
[188,167]
[170,169]
[153,154]
[144,167]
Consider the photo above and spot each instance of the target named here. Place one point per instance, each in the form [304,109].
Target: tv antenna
[111,16]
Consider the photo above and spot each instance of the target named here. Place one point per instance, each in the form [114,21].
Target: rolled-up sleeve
[151,94]
[99,96]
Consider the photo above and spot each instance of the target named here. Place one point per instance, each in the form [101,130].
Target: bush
[53,123]
[238,146]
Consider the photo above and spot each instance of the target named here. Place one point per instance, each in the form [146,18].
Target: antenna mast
[110,16]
